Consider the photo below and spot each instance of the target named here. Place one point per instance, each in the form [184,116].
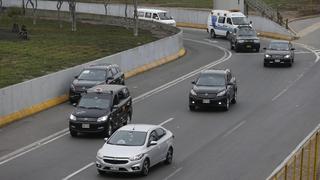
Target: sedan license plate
[85,126]
[248,46]
[277,60]
[114,168]
[206,101]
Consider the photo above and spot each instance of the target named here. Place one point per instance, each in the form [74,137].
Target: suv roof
[107,88]
[101,66]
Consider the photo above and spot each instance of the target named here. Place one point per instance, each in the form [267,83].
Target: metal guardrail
[303,162]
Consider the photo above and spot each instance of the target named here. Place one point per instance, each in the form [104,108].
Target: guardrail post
[315,157]
[309,159]
[301,163]
[294,167]
[285,171]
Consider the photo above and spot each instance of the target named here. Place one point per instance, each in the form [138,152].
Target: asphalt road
[276,109]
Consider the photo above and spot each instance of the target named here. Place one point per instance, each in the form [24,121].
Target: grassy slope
[51,49]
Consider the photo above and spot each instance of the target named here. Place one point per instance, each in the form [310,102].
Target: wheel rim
[145,167]
[109,129]
[228,103]
[169,156]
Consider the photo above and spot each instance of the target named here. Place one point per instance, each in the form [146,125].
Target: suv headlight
[287,56]
[73,118]
[256,41]
[193,92]
[137,157]
[241,41]
[267,56]
[222,93]
[102,119]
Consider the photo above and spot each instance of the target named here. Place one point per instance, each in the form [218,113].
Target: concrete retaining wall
[38,92]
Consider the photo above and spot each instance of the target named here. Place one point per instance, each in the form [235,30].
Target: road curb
[7,119]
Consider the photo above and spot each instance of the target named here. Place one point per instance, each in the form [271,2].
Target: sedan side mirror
[265,48]
[74,104]
[152,143]
[293,49]
[76,77]
[193,82]
[105,139]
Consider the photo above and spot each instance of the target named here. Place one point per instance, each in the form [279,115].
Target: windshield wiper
[95,108]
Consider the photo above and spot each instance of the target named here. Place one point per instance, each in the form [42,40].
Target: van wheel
[213,34]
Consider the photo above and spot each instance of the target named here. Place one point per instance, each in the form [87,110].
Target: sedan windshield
[128,138]
[93,75]
[239,20]
[282,46]
[95,101]
[207,79]
[163,16]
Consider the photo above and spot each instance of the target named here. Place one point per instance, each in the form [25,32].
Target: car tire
[145,168]
[227,106]
[169,156]
[101,172]
[228,35]
[234,99]
[192,108]
[212,34]
[73,133]
[109,129]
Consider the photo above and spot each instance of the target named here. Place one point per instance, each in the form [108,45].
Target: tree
[23,8]
[126,13]
[59,4]
[106,3]
[72,9]
[135,16]
[34,6]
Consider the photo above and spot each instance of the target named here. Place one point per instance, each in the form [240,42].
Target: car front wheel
[234,100]
[227,106]
[213,34]
[145,168]
[169,156]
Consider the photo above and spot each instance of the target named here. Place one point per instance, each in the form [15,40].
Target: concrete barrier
[35,95]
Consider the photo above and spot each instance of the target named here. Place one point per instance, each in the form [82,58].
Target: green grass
[51,49]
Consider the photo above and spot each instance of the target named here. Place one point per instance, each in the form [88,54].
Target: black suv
[94,75]
[213,88]
[244,38]
[279,52]
[102,109]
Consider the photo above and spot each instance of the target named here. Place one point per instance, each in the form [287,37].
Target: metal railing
[303,162]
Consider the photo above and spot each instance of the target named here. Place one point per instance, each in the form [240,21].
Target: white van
[222,22]
[156,15]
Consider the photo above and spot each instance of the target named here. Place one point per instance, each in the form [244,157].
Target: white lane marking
[165,122]
[35,145]
[312,49]
[92,163]
[78,171]
[234,129]
[172,174]
[287,88]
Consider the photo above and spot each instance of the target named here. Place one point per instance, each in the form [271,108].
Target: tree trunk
[106,3]
[34,9]
[72,9]
[23,8]
[126,13]
[59,4]
[135,29]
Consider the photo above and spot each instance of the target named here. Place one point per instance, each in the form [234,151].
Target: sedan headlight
[72,87]
[137,157]
[256,41]
[267,56]
[241,41]
[102,119]
[222,93]
[73,118]
[193,92]
[287,56]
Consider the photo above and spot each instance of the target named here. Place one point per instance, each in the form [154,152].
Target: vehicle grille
[207,95]
[87,119]
[115,161]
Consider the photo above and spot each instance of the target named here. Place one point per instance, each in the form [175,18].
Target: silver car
[135,148]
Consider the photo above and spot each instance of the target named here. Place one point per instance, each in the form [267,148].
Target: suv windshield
[207,79]
[240,21]
[163,16]
[95,101]
[282,46]
[93,75]
[128,138]
[246,32]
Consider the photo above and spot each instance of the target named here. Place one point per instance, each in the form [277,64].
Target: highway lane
[208,143]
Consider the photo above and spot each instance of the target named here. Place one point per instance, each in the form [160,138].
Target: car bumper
[210,102]
[277,61]
[129,167]
[245,46]
[87,127]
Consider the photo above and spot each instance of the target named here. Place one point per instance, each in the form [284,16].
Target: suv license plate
[85,126]
[114,168]
[206,101]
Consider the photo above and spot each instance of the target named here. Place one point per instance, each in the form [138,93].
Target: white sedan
[135,148]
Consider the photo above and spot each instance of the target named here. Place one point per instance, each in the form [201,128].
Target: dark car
[244,38]
[103,109]
[92,76]
[279,52]
[213,88]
